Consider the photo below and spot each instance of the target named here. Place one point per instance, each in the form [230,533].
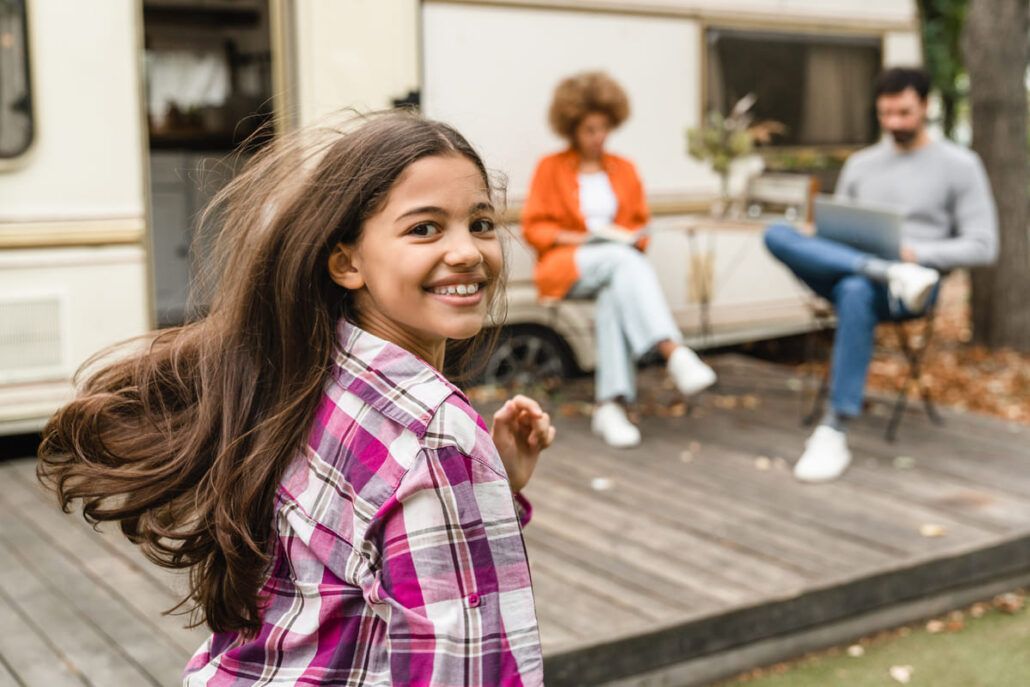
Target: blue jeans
[832,270]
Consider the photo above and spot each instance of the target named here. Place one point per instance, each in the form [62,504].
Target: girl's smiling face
[426,265]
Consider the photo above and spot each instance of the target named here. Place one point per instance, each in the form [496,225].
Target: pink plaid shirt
[399,557]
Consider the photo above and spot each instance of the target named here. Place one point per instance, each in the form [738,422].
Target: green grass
[990,651]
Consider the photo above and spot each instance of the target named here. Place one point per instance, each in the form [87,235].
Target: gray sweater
[941,189]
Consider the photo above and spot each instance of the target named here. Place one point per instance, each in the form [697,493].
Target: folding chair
[913,353]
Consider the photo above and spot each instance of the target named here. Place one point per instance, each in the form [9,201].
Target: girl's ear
[342,269]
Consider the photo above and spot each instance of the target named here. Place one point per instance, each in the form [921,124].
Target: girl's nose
[462,249]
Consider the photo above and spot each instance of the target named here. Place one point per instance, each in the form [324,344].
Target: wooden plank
[781,499]
[26,652]
[553,563]
[896,522]
[688,598]
[7,678]
[583,615]
[175,581]
[593,539]
[735,521]
[721,569]
[137,590]
[941,459]
[139,638]
[75,637]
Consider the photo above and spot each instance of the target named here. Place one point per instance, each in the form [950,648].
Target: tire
[527,355]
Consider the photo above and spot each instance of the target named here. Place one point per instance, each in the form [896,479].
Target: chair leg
[817,405]
[899,409]
[931,409]
[914,357]
[813,414]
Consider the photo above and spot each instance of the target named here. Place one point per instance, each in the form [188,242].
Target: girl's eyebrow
[424,210]
[434,210]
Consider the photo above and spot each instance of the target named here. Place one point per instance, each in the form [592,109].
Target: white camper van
[117,119]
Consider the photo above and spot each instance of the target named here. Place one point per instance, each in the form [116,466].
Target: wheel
[524,356]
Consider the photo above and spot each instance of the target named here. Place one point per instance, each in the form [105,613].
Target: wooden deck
[694,555]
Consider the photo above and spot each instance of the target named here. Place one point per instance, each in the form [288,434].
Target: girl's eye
[424,229]
[481,226]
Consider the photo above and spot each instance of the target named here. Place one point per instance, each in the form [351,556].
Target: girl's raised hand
[521,430]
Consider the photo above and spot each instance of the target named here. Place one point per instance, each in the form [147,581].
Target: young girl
[345,515]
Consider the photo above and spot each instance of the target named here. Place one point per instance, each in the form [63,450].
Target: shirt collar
[395,382]
[570,157]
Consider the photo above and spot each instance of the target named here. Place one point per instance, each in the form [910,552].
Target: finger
[541,424]
[551,433]
[528,404]
[506,412]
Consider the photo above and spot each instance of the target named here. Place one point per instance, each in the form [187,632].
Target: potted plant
[723,139]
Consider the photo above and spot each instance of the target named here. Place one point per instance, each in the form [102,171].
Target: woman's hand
[570,237]
[521,430]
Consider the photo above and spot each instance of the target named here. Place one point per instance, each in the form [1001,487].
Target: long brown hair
[184,435]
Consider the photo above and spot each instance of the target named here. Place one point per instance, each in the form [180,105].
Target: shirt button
[473,600]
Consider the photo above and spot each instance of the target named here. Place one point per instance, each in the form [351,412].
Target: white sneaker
[911,284]
[689,373]
[611,424]
[826,456]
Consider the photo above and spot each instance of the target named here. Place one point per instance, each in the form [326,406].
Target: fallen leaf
[904,462]
[686,456]
[762,463]
[1009,603]
[902,674]
[678,409]
[931,530]
[956,625]
[601,484]
[726,402]
[935,626]
[574,410]
[694,447]
[856,650]
[978,610]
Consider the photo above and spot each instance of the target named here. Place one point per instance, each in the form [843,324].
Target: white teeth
[459,290]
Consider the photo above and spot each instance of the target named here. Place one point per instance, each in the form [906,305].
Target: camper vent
[31,345]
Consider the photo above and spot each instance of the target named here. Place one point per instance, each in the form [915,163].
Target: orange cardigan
[553,204]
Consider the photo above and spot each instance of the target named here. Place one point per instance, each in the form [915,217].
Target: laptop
[874,229]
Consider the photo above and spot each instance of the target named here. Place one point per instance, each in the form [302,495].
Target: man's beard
[903,137]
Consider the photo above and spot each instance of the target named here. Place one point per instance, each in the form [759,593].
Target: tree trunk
[994,44]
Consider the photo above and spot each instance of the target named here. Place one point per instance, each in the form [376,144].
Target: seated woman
[584,217]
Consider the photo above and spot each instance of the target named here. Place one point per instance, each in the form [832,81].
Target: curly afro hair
[579,95]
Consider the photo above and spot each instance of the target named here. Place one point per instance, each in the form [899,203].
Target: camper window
[16,126]
[818,86]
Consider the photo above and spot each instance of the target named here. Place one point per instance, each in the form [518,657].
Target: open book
[616,234]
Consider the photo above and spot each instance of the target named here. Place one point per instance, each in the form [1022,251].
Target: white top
[597,200]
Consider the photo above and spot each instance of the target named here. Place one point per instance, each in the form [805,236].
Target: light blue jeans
[831,269]
[630,317]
